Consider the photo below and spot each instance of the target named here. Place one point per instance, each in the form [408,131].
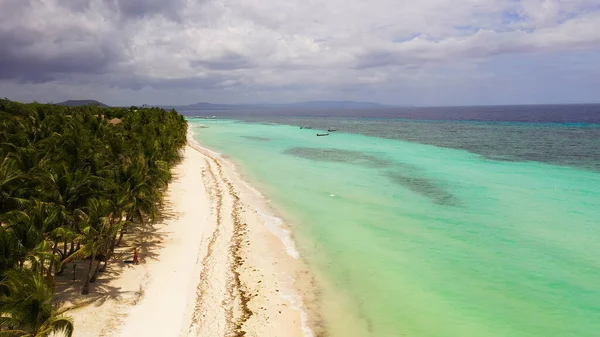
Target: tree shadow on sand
[148,239]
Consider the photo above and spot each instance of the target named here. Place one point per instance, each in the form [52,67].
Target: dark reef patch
[260,139]
[425,187]
[338,156]
[403,174]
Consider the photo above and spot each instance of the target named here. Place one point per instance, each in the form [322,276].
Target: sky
[426,52]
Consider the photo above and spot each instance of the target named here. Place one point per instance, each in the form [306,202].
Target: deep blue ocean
[559,134]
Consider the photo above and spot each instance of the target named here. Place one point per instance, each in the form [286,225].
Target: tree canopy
[70,183]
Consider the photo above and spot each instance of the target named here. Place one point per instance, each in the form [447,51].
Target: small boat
[331,129]
[322,134]
[306,127]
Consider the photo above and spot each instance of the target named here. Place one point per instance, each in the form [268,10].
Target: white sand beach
[211,266]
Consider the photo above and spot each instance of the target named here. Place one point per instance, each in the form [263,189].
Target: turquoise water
[407,239]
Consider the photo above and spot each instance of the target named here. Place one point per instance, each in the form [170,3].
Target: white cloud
[244,46]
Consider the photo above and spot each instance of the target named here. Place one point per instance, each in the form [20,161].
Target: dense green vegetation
[71,182]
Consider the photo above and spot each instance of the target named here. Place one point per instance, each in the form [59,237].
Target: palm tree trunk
[110,253]
[113,244]
[123,230]
[62,269]
[65,255]
[95,275]
[54,250]
[103,268]
[86,286]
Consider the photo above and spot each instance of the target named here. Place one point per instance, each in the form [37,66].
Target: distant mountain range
[299,105]
[212,106]
[82,102]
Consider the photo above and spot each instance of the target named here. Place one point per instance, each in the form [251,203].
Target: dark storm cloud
[170,9]
[67,46]
[126,9]
[38,49]
[22,59]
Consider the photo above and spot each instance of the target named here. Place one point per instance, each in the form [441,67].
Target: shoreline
[218,263]
[287,267]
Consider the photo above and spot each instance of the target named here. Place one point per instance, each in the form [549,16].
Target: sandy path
[211,267]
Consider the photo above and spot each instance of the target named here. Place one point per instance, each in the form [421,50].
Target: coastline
[217,263]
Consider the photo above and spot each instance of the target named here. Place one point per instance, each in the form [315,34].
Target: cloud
[301,47]
[43,42]
[579,32]
[228,61]
[144,8]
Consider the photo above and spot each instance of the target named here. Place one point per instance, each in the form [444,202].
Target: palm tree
[31,228]
[26,308]
[69,191]
[8,250]
[10,179]
[97,234]
[139,196]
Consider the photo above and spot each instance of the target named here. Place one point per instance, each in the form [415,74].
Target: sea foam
[275,226]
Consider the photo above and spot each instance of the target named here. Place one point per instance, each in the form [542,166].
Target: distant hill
[298,105]
[83,102]
[209,106]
